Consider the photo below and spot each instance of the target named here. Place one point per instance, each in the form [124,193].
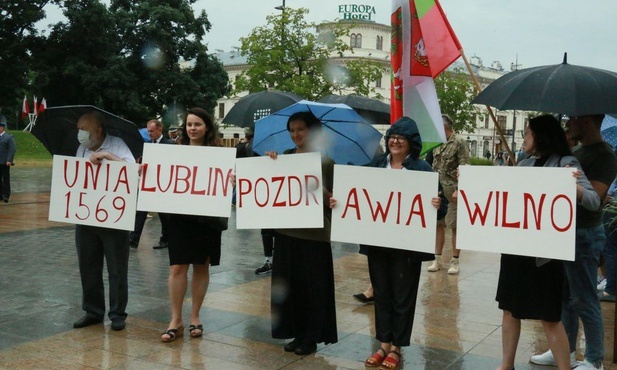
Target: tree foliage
[455,93]
[135,58]
[18,35]
[286,54]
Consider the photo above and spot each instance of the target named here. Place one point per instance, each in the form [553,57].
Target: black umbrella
[374,111]
[563,88]
[258,105]
[56,128]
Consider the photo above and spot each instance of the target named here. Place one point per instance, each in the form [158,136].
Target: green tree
[136,58]
[287,54]
[455,93]
[18,35]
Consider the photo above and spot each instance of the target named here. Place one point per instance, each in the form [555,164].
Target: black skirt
[528,291]
[192,242]
[303,290]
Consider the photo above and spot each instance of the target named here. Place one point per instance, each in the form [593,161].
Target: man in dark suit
[7,154]
[155,130]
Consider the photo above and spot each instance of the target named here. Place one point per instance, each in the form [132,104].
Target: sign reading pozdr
[185,179]
[89,194]
[385,207]
[281,193]
[528,211]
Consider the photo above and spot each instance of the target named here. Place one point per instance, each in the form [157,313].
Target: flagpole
[512,159]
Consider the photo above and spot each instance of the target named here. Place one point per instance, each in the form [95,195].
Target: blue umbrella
[144,134]
[347,137]
[609,130]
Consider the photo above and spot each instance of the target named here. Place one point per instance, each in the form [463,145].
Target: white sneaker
[436,265]
[601,285]
[454,267]
[585,365]
[548,359]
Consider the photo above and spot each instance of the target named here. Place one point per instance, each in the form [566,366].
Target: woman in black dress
[302,295]
[531,288]
[193,240]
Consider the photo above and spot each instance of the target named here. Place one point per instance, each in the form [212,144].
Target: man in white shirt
[95,243]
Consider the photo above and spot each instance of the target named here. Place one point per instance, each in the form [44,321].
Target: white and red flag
[25,109]
[43,105]
[35,106]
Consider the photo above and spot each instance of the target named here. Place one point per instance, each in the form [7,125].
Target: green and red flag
[418,57]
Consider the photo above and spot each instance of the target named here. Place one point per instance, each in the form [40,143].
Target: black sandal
[173,334]
[193,328]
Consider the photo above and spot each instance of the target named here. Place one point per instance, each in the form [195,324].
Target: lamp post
[282,9]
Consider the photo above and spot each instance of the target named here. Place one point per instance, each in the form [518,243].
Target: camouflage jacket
[448,157]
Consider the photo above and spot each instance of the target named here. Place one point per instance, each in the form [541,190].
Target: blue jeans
[580,299]
[610,249]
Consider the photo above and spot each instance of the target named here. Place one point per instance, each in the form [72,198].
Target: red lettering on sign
[65,167]
[537,212]
[279,180]
[571,208]
[352,202]
[416,203]
[477,212]
[378,210]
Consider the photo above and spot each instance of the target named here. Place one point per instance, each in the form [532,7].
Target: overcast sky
[538,31]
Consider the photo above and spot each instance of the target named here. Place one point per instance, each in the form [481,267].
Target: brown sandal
[391,363]
[376,358]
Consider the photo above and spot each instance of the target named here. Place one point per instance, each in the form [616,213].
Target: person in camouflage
[453,153]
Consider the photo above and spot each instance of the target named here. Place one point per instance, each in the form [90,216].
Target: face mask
[84,139]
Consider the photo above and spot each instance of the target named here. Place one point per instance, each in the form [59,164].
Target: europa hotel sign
[357,12]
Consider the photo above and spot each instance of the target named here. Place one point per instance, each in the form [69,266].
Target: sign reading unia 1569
[357,12]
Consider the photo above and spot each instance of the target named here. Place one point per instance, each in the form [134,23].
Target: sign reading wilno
[357,12]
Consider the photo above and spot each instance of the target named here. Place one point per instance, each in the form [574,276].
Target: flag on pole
[25,110]
[35,106]
[43,105]
[413,91]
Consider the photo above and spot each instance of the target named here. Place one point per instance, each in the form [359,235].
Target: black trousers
[395,276]
[267,238]
[140,220]
[5,181]
[93,245]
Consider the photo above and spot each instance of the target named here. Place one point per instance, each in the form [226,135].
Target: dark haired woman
[192,241]
[302,298]
[531,288]
[395,273]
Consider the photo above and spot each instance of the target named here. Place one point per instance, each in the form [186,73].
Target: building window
[379,43]
[221,110]
[355,40]
[501,120]
[378,82]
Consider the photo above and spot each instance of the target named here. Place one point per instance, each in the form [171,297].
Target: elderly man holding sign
[95,243]
[395,273]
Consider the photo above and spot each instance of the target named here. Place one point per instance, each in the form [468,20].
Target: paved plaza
[457,323]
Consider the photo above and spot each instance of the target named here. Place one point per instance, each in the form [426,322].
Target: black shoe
[161,245]
[134,244]
[306,348]
[118,324]
[264,269]
[86,321]
[364,299]
[6,200]
[291,346]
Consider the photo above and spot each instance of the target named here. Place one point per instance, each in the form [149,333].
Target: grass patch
[30,151]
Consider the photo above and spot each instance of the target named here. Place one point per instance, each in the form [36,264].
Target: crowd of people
[558,293]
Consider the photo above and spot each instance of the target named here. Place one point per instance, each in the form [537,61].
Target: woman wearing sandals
[528,287]
[395,273]
[193,240]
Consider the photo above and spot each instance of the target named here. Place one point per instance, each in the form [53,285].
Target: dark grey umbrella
[374,111]
[258,105]
[563,88]
[56,128]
